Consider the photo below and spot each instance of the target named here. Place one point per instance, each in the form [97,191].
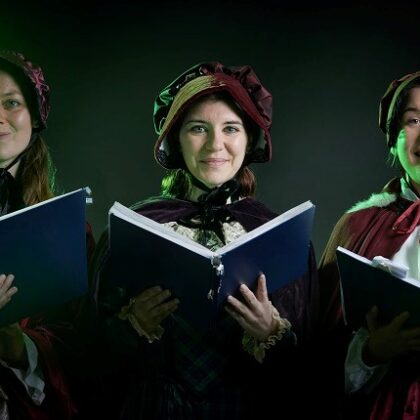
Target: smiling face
[213,142]
[15,121]
[407,147]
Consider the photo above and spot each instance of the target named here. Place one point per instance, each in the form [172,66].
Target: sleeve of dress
[298,302]
[57,390]
[297,306]
[359,376]
[115,333]
[32,377]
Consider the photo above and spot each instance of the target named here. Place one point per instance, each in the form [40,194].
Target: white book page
[150,225]
[354,255]
[42,203]
[367,261]
[249,236]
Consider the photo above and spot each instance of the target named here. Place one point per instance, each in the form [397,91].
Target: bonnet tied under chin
[211,208]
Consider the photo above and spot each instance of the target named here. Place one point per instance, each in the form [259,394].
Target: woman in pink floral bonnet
[32,385]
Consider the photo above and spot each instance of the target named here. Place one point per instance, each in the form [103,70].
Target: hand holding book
[6,289]
[364,285]
[255,314]
[148,310]
[151,307]
[388,341]
[142,249]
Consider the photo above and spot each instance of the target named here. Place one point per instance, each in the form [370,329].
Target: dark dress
[189,376]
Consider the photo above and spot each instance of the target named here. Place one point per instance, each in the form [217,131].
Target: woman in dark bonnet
[212,122]
[382,375]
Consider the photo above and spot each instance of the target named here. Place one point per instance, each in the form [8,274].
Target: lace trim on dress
[256,347]
[127,314]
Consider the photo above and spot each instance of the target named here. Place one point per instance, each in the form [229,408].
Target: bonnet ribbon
[211,210]
[412,213]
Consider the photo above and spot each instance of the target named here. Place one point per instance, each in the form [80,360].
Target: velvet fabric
[248,212]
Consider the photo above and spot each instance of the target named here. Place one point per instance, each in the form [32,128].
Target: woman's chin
[213,182]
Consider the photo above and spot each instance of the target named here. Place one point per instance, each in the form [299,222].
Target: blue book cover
[44,246]
[364,285]
[144,253]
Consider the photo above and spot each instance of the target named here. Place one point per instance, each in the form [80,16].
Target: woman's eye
[231,130]
[197,129]
[11,103]
[413,121]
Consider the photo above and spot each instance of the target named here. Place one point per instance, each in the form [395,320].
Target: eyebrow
[12,92]
[206,122]
[411,109]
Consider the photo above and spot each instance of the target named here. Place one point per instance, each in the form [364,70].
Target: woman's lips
[213,161]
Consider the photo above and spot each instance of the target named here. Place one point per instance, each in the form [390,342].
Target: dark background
[326,65]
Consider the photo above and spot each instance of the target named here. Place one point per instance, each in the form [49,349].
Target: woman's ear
[35,124]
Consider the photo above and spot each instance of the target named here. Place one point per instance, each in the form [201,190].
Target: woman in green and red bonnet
[212,122]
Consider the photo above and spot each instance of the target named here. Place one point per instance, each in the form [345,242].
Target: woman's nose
[214,141]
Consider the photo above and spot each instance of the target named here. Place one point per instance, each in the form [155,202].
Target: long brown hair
[36,172]
[177,183]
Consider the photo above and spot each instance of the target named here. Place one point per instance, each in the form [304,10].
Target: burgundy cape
[378,226]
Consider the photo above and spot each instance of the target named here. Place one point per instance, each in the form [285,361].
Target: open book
[144,253]
[365,283]
[44,246]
